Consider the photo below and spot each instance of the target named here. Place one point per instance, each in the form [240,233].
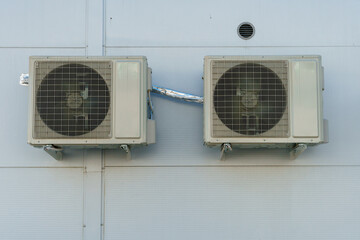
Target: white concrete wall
[177,188]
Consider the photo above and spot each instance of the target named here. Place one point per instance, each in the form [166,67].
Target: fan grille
[249,98]
[72,99]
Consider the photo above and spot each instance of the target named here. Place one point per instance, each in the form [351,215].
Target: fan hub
[250,99]
[74,100]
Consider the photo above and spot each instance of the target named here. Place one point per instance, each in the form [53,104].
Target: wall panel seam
[224,166]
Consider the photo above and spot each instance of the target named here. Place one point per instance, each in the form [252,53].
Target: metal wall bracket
[225,147]
[126,149]
[297,150]
[54,151]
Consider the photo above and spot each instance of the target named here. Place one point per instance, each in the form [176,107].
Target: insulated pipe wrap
[178,95]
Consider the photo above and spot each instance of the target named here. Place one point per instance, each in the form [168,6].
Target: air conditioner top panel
[259,57]
[83,58]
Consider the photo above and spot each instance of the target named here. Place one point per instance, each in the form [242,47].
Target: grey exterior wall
[178,188]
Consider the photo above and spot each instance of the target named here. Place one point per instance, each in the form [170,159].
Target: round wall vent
[246,30]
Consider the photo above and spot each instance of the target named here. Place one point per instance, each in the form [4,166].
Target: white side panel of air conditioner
[127,112]
[304,98]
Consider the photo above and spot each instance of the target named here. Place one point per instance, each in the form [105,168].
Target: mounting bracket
[225,147]
[297,150]
[126,149]
[54,151]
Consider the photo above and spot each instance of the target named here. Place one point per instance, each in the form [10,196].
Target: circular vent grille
[73,99]
[249,99]
[246,31]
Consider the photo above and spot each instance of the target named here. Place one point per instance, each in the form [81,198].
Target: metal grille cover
[249,98]
[72,99]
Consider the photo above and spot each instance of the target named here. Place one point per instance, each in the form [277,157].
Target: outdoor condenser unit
[89,102]
[263,101]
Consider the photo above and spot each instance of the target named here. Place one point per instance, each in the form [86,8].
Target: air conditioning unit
[89,102]
[263,101]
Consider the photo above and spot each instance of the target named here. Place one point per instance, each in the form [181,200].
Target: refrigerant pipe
[178,95]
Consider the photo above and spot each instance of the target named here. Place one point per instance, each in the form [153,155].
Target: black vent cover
[246,31]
